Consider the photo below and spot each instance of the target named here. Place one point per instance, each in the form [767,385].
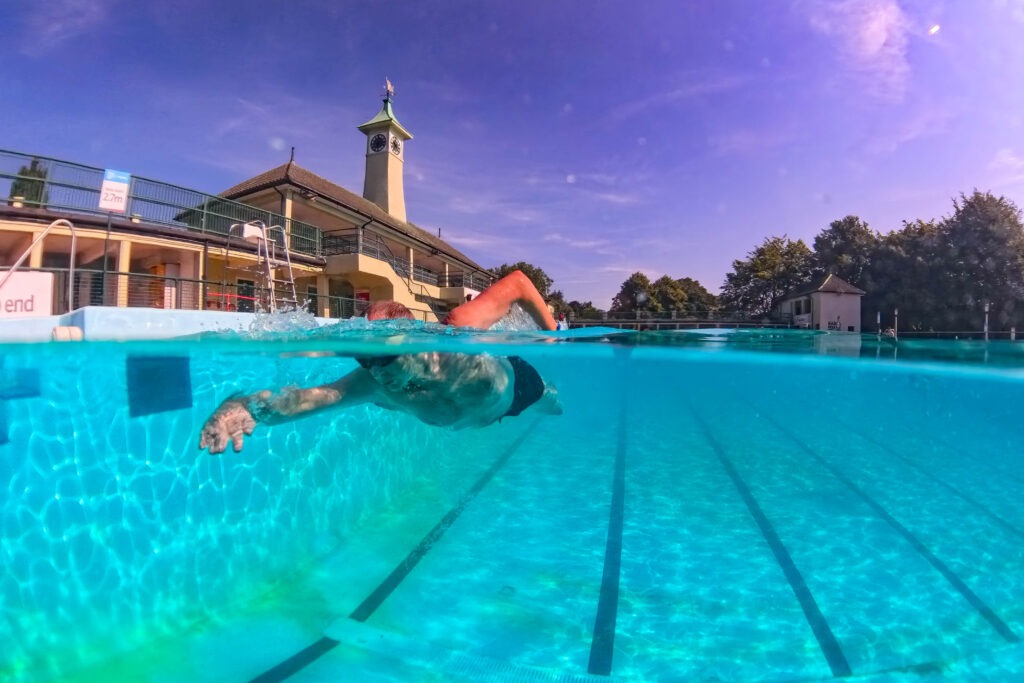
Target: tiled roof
[832,284]
[293,174]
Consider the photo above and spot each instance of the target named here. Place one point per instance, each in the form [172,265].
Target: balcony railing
[43,182]
[338,242]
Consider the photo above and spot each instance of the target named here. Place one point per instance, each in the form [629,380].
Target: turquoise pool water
[719,507]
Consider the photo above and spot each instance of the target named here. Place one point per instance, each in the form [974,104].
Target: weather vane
[389,90]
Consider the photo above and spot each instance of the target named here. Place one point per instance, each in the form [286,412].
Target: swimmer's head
[387,310]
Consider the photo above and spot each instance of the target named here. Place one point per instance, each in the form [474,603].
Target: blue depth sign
[114,193]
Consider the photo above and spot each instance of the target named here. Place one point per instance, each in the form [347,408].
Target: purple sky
[592,139]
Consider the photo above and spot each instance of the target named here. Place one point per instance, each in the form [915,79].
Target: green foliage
[635,295]
[30,184]
[845,248]
[583,311]
[941,274]
[779,265]
[668,294]
[537,276]
[699,301]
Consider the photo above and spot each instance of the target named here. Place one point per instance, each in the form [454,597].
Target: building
[286,236]
[832,304]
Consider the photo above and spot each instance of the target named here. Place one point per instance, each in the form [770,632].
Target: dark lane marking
[822,631]
[602,645]
[297,662]
[986,612]
[302,659]
[380,594]
[1006,524]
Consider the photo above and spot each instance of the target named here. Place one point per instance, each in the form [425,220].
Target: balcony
[45,183]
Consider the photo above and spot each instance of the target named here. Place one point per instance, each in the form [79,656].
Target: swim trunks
[527,386]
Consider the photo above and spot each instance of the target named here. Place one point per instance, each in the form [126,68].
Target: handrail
[71,266]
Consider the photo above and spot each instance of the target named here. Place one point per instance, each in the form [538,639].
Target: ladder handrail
[71,264]
[288,260]
[268,255]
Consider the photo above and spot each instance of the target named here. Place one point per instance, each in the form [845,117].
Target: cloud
[872,38]
[747,141]
[687,91]
[54,22]
[558,238]
[930,120]
[619,198]
[1008,165]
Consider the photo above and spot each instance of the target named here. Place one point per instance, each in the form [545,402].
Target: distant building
[170,247]
[833,304]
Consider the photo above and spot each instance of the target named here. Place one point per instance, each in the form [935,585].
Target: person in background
[454,390]
[562,323]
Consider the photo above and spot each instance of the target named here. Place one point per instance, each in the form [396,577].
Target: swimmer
[454,390]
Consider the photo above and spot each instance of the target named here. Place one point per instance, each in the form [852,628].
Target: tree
[537,276]
[845,249]
[583,310]
[984,245]
[635,295]
[30,184]
[557,302]
[699,301]
[774,268]
[669,294]
[901,274]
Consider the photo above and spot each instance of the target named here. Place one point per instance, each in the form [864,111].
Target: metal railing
[338,242]
[43,182]
[88,287]
[39,238]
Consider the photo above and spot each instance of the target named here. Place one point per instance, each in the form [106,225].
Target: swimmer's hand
[230,423]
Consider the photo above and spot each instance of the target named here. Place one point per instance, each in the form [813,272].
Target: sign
[26,295]
[114,193]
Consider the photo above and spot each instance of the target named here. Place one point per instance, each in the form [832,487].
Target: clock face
[396,145]
[378,142]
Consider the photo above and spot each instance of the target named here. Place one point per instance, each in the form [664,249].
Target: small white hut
[833,304]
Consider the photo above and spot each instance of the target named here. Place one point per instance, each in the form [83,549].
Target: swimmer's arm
[238,416]
[294,402]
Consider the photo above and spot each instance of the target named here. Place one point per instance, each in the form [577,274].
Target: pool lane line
[986,612]
[1006,524]
[366,609]
[307,656]
[827,641]
[602,644]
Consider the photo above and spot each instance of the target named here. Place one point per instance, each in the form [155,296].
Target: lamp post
[986,321]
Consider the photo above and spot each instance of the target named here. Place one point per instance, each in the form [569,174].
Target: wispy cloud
[54,22]
[692,88]
[929,120]
[1007,165]
[872,38]
[558,238]
[748,141]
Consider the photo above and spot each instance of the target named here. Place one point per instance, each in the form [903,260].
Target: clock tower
[385,159]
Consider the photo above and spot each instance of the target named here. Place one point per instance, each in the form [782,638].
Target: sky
[593,139]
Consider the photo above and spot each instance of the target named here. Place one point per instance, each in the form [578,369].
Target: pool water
[712,507]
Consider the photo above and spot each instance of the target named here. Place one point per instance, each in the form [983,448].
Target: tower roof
[386,117]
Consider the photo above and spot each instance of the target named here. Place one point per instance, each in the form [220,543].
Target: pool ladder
[268,262]
[71,264]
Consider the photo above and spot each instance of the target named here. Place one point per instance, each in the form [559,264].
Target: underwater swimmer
[454,390]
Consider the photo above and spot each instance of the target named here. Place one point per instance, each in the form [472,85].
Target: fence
[144,290]
[42,182]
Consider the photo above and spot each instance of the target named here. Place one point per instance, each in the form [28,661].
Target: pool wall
[117,530]
[109,323]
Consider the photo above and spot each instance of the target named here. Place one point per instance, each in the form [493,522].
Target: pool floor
[714,537]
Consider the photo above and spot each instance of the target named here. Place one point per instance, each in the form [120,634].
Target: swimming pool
[705,509]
